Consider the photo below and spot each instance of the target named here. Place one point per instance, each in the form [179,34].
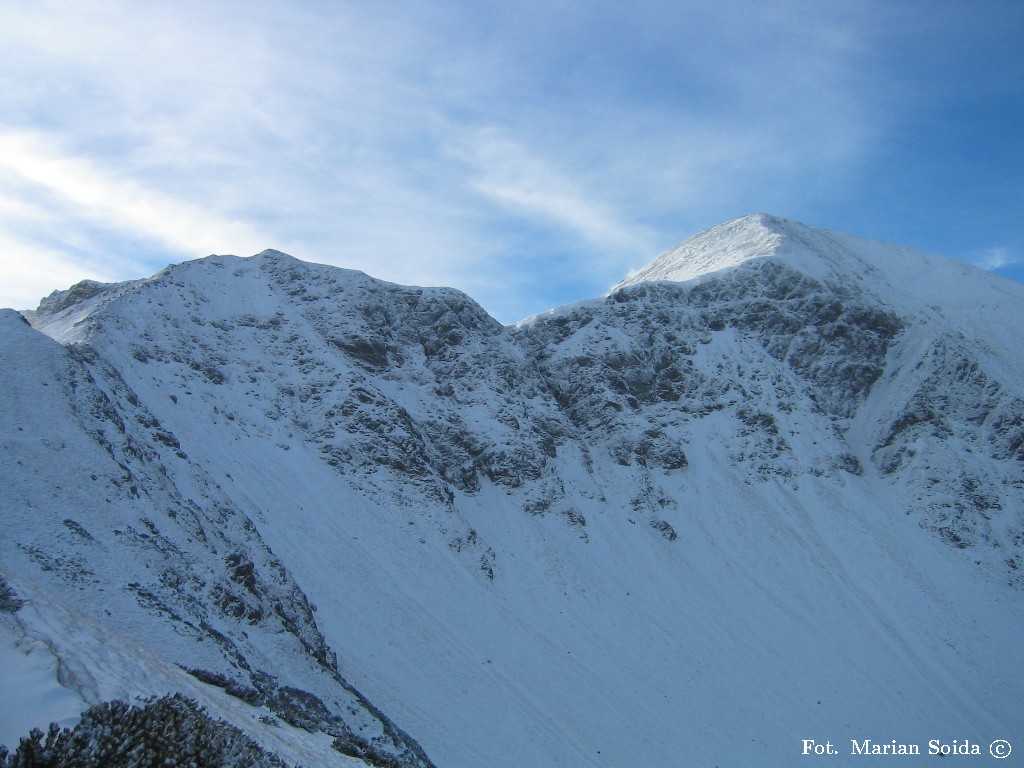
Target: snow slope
[983,305]
[101,503]
[769,489]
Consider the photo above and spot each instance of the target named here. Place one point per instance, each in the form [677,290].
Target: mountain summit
[722,247]
[769,488]
[896,273]
[914,282]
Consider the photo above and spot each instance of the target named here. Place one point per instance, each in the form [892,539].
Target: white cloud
[511,175]
[32,271]
[996,258]
[92,192]
[429,143]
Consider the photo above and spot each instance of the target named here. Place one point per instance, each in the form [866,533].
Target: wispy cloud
[513,176]
[997,257]
[528,152]
[32,271]
[92,192]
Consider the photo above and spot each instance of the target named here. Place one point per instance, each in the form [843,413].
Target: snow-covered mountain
[768,489]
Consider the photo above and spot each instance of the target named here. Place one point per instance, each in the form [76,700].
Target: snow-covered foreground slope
[767,490]
[102,503]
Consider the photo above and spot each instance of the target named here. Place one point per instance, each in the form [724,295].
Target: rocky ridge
[249,438]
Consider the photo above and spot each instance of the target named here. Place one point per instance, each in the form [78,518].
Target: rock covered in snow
[773,447]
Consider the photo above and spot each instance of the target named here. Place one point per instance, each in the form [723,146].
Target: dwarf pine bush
[170,732]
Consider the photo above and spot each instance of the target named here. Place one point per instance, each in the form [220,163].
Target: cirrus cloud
[529,153]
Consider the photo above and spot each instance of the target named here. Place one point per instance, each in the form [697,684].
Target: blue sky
[528,153]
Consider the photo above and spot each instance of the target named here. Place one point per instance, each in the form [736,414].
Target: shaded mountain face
[768,488]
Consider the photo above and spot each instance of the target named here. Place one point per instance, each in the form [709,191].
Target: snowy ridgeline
[769,488]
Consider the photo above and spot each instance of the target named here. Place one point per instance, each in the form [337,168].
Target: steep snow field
[768,490]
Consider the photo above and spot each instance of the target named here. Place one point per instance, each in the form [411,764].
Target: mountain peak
[274,255]
[914,281]
[722,247]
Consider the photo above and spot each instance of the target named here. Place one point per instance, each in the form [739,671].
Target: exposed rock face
[118,520]
[197,459]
